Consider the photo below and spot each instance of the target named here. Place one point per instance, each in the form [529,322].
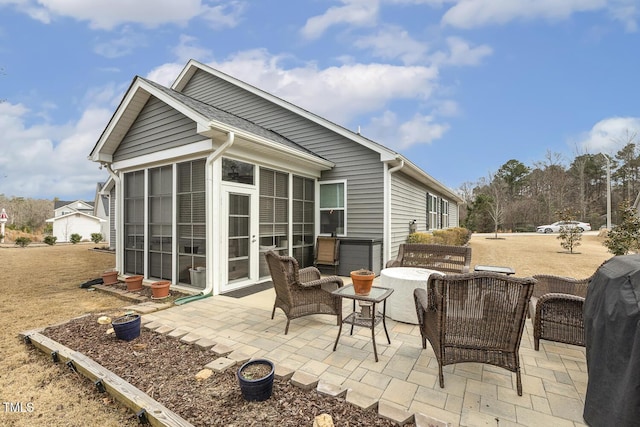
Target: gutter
[208,290]
[387,208]
[118,218]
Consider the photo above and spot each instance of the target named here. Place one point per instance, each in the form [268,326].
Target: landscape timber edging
[142,404]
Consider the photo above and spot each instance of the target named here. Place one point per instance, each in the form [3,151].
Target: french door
[240,207]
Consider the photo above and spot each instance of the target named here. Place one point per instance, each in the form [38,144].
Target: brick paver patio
[405,380]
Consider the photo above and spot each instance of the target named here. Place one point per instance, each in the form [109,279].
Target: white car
[555,227]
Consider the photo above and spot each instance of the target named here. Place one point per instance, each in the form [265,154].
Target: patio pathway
[405,380]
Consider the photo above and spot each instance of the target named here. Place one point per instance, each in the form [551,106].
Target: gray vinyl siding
[408,203]
[360,166]
[158,127]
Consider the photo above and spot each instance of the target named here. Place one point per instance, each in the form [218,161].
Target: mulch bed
[165,368]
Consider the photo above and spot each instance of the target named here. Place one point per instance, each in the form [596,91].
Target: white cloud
[393,42]
[124,45]
[627,12]
[610,135]
[421,129]
[478,13]
[188,49]
[227,15]
[354,12]
[461,53]
[390,131]
[41,160]
[107,14]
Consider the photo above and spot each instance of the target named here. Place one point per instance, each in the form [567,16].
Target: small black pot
[127,327]
[258,389]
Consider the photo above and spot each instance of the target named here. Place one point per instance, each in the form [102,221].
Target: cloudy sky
[457,86]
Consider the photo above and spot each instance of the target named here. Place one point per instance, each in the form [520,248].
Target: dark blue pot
[127,327]
[258,389]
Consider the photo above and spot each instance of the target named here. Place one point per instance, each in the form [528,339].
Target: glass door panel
[239,249]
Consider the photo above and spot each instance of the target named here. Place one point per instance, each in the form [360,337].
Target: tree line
[518,197]
[26,214]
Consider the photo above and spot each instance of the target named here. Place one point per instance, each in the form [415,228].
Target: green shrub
[50,240]
[624,237]
[456,236]
[96,238]
[23,241]
[75,238]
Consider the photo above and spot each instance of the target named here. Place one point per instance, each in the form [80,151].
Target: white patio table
[403,280]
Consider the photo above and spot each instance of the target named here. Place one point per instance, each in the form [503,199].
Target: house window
[134,222]
[160,222]
[432,211]
[191,218]
[274,214]
[332,208]
[237,171]
[445,213]
[303,220]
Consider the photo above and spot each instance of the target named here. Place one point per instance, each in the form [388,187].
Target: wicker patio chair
[300,292]
[327,252]
[474,317]
[444,258]
[556,309]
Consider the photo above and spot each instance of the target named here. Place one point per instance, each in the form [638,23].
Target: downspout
[118,217]
[387,245]
[208,290]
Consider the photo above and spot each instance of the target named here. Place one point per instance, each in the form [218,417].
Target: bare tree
[498,190]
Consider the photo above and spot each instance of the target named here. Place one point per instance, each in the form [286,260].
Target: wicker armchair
[445,258]
[300,292]
[474,317]
[556,309]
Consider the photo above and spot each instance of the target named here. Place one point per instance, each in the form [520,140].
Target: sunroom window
[134,222]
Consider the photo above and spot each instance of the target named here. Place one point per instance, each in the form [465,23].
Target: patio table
[369,316]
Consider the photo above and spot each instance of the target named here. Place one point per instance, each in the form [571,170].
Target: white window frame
[344,204]
[445,213]
[432,204]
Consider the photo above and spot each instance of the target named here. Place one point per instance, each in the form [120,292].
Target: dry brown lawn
[539,254]
[40,287]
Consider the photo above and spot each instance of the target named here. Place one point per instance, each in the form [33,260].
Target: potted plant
[256,379]
[127,327]
[134,283]
[160,289]
[110,277]
[362,281]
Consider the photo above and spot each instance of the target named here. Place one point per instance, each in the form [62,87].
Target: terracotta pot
[110,277]
[362,281]
[134,283]
[160,289]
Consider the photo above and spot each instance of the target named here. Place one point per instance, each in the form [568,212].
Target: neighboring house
[102,208]
[61,207]
[74,218]
[212,172]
